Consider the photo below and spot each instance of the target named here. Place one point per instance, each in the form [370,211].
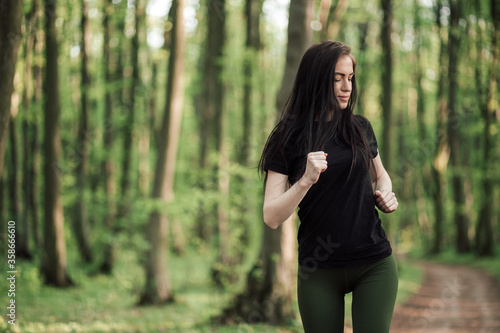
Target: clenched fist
[386,201]
[316,164]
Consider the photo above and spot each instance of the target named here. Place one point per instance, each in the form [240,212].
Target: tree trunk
[362,67]
[157,287]
[386,95]
[424,175]
[35,146]
[252,44]
[13,182]
[29,124]
[457,180]
[388,147]
[442,151]
[324,13]
[54,260]
[214,104]
[129,107]
[484,230]
[10,36]
[253,10]
[108,166]
[3,221]
[334,19]
[80,221]
[268,296]
[145,139]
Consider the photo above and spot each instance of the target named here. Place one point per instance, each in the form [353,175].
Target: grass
[108,303]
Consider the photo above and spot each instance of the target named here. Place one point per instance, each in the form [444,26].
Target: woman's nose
[346,86]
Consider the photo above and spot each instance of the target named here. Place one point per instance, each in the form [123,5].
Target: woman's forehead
[344,65]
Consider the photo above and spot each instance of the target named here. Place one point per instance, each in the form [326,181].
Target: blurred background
[132,130]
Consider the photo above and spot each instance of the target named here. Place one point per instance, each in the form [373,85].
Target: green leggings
[321,294]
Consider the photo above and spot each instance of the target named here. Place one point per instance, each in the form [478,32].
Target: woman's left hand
[386,201]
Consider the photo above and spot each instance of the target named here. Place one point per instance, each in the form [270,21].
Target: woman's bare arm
[280,201]
[385,199]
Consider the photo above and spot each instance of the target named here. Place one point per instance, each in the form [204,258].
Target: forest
[131,132]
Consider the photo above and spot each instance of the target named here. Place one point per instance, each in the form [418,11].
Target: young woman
[324,159]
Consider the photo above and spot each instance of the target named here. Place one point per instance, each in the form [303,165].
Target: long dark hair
[312,114]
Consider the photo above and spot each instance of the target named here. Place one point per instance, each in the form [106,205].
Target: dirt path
[452,299]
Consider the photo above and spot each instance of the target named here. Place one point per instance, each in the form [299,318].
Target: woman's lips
[344,98]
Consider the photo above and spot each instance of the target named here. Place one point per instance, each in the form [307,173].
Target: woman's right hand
[316,164]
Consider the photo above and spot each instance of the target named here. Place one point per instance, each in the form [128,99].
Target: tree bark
[388,131]
[35,146]
[324,13]
[424,175]
[268,295]
[214,113]
[157,288]
[108,166]
[253,10]
[252,44]
[129,107]
[362,68]
[205,105]
[80,221]
[54,261]
[484,231]
[334,19]
[462,239]
[13,181]
[29,131]
[10,36]
[387,147]
[442,151]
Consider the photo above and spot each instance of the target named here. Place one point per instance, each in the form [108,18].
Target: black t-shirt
[339,224]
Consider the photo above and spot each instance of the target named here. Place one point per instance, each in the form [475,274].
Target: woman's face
[344,73]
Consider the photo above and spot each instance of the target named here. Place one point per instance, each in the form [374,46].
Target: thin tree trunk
[28,129]
[108,166]
[252,44]
[80,221]
[362,69]
[484,230]
[3,221]
[220,129]
[13,180]
[388,147]
[174,93]
[270,283]
[129,107]
[214,101]
[388,130]
[334,19]
[206,115]
[424,175]
[10,36]
[457,180]
[145,139]
[253,10]
[442,152]
[54,261]
[34,167]
[157,288]
[324,12]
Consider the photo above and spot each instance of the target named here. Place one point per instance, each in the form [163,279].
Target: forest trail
[451,299]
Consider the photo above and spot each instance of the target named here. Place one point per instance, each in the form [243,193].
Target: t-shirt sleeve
[275,164]
[277,161]
[370,136]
